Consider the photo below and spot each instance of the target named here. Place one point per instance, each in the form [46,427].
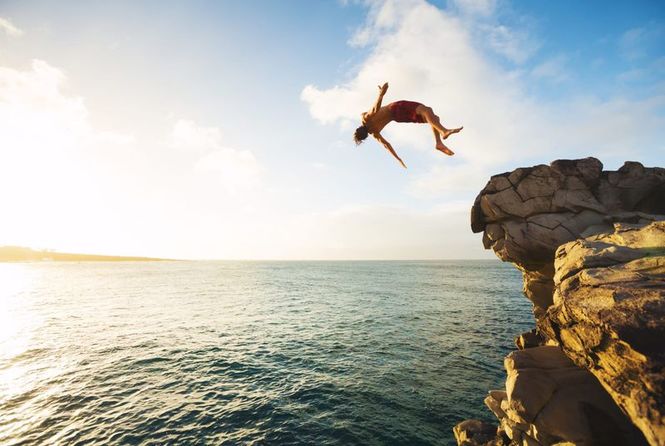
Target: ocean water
[284,353]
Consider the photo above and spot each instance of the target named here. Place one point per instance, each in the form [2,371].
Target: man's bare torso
[375,122]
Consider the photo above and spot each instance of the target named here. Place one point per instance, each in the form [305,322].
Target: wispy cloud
[91,181]
[481,7]
[55,160]
[553,69]
[431,55]
[9,28]
[630,43]
[515,45]
[428,55]
[634,42]
[189,136]
[234,169]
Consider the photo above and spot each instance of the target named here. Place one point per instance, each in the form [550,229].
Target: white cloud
[634,42]
[36,116]
[633,75]
[116,138]
[382,17]
[187,135]
[481,19]
[235,169]
[630,43]
[429,57]
[481,7]
[327,106]
[68,185]
[515,45]
[53,160]
[435,57]
[9,28]
[38,91]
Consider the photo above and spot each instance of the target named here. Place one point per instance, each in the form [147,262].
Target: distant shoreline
[12,254]
[22,254]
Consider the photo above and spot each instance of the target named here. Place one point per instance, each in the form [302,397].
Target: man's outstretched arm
[387,145]
[382,91]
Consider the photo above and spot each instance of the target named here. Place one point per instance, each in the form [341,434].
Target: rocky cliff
[591,247]
[608,316]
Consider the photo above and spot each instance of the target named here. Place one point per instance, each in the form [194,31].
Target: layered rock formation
[600,301]
[526,214]
[609,317]
[548,400]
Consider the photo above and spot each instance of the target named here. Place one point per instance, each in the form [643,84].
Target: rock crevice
[591,248]
[525,215]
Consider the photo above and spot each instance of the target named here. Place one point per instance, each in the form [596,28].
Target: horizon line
[91,257]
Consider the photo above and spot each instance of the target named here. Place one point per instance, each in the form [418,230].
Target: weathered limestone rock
[601,303]
[476,433]
[609,317]
[529,339]
[548,399]
[526,214]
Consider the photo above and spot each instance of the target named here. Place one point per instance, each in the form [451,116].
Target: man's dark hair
[360,134]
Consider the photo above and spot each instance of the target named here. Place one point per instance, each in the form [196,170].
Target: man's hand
[382,91]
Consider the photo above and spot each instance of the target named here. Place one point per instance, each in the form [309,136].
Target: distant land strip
[22,254]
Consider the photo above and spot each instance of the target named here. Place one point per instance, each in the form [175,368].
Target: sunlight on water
[16,281]
[252,352]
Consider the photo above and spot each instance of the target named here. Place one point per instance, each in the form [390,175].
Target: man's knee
[426,112]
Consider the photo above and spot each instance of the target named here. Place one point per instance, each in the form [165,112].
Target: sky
[223,130]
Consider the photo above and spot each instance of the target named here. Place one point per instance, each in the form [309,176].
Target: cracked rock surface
[548,399]
[609,317]
[526,214]
[591,248]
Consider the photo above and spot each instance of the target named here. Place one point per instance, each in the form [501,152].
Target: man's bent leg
[428,114]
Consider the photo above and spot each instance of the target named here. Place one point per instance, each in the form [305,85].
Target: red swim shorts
[405,111]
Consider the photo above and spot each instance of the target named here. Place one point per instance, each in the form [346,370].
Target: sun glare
[15,280]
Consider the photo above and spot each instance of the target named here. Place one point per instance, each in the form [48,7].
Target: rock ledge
[591,247]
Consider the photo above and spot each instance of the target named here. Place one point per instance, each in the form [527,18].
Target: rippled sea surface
[320,353]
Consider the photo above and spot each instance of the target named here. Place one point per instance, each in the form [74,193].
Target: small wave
[263,353]
[26,356]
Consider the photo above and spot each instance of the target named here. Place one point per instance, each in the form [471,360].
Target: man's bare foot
[444,149]
[447,133]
